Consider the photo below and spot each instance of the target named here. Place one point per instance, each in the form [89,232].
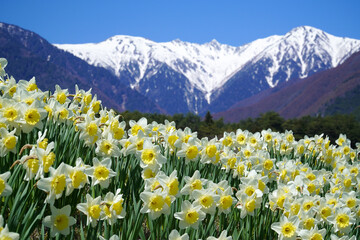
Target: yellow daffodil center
[92,129]
[32,87]
[211,150]
[206,201]
[6,238]
[63,114]
[226,202]
[43,144]
[342,220]
[61,222]
[309,223]
[9,142]
[268,164]
[308,205]
[2,185]
[148,156]
[156,203]
[231,162]
[196,184]
[288,229]
[316,236]
[325,212]
[250,205]
[118,207]
[118,133]
[192,152]
[48,161]
[173,187]
[10,113]
[33,165]
[148,173]
[58,183]
[172,139]
[227,141]
[77,177]
[61,97]
[12,90]
[135,129]
[191,216]
[32,116]
[249,190]
[94,211]
[106,147]
[351,202]
[101,173]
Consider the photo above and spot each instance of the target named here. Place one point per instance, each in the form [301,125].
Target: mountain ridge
[213,69]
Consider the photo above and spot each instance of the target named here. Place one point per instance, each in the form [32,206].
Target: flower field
[71,169]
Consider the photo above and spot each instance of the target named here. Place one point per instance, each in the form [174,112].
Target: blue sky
[230,22]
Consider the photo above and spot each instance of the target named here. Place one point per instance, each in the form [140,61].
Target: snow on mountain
[209,66]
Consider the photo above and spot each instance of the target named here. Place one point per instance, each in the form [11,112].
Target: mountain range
[336,90]
[182,76]
[134,73]
[30,55]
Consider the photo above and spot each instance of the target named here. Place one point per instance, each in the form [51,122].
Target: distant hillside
[321,93]
[30,55]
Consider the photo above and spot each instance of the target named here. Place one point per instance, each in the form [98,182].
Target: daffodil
[100,172]
[313,234]
[7,235]
[150,155]
[193,183]
[113,207]
[190,215]
[342,220]
[92,209]
[54,185]
[223,236]
[8,141]
[106,146]
[59,221]
[77,176]
[175,235]
[287,228]
[154,203]
[5,189]
[207,199]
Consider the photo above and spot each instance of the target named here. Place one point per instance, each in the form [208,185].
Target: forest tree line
[330,126]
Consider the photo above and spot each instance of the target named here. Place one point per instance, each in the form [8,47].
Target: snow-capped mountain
[182,76]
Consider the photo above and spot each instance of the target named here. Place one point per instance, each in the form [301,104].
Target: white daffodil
[175,235]
[342,220]
[113,207]
[226,201]
[193,183]
[32,117]
[314,233]
[8,141]
[77,176]
[113,237]
[171,182]
[7,235]
[154,203]
[107,146]
[5,189]
[207,199]
[287,228]
[190,215]
[59,221]
[54,185]
[91,209]
[150,155]
[223,236]
[100,172]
